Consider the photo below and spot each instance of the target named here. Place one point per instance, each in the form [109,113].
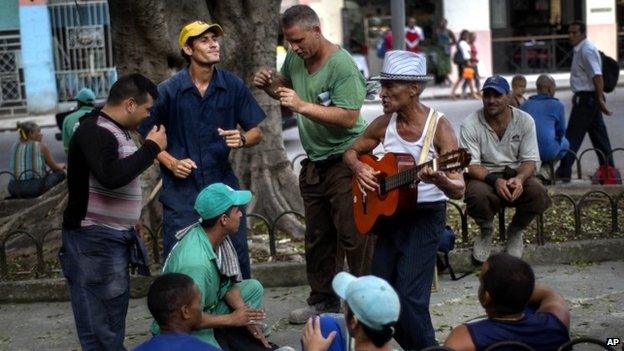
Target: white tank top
[394,143]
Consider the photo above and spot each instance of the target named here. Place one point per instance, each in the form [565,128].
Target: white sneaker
[515,245]
[483,243]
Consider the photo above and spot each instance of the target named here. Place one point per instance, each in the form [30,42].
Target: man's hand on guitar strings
[367,176]
[428,175]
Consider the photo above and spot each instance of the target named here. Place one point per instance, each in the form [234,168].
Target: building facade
[513,37]
[49,50]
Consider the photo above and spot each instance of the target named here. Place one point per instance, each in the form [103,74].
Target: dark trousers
[95,262]
[239,240]
[405,256]
[34,187]
[483,203]
[328,201]
[585,118]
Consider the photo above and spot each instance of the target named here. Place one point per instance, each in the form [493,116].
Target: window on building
[531,34]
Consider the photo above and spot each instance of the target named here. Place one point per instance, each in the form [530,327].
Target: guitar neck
[404,177]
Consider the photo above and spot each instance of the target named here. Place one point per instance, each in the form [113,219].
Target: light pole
[397,8]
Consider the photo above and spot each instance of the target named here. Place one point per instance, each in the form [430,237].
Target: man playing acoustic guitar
[405,251]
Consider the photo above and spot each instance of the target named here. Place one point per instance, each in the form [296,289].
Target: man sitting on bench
[503,144]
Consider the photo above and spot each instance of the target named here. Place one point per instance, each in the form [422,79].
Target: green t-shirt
[70,122]
[338,83]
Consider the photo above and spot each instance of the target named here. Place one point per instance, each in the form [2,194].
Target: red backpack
[607,175]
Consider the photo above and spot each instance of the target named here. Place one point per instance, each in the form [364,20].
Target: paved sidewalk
[595,294]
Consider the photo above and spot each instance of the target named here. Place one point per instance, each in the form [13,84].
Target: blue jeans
[95,262]
[405,256]
[34,187]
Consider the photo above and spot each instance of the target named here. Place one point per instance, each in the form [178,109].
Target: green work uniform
[70,124]
[194,256]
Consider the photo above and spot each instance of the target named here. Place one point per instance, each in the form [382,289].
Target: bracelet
[491,179]
[243,140]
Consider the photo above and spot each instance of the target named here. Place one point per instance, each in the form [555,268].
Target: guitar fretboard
[402,178]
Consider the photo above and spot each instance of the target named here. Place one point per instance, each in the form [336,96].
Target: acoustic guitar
[398,185]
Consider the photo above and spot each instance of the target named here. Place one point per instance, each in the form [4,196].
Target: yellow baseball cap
[196,28]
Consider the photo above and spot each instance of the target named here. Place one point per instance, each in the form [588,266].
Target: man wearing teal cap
[206,254]
[85,99]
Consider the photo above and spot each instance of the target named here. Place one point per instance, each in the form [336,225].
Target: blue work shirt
[192,122]
[548,114]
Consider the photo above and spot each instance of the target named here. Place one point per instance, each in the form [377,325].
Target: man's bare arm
[365,144]
[327,115]
[451,183]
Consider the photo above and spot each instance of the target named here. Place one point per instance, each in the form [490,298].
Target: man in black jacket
[104,206]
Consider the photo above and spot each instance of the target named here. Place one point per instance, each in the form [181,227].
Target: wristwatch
[243,140]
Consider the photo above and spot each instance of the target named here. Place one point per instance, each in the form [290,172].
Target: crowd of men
[205,298]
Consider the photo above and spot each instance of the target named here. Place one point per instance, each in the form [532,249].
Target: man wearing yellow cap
[202,106]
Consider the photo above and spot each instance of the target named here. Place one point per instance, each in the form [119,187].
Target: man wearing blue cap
[371,310]
[503,144]
[85,99]
[205,253]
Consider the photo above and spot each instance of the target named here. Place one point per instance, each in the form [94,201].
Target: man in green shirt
[205,253]
[85,99]
[320,82]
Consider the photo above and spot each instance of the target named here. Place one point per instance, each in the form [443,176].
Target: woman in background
[29,158]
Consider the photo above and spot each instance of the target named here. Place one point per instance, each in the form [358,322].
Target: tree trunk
[145,37]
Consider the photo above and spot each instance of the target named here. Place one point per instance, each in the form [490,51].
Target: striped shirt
[114,208]
[102,177]
[27,160]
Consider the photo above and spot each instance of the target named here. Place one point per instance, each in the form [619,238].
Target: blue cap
[85,95]
[371,299]
[496,83]
[216,198]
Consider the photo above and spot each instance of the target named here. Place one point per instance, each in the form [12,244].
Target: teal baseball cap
[216,198]
[85,95]
[371,299]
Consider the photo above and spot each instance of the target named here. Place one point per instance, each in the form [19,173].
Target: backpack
[610,72]
[381,47]
[458,57]
[446,244]
[607,175]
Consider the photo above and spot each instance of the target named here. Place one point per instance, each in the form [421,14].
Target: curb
[293,274]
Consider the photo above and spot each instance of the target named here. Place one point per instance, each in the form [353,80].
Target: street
[455,111]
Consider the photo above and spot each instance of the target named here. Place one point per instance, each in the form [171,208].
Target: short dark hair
[509,281]
[167,294]
[463,35]
[190,42]
[302,15]
[134,86]
[580,24]
[210,222]
[518,78]
[378,337]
